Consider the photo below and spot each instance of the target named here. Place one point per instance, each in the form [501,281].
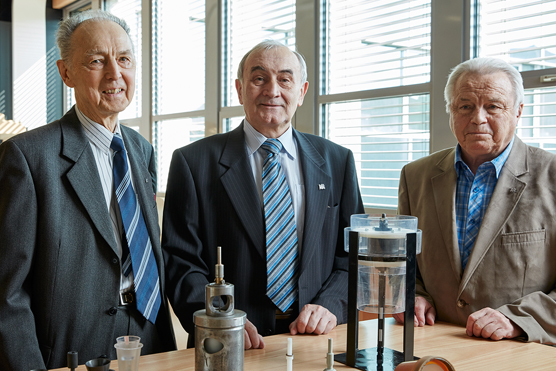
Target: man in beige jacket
[487,209]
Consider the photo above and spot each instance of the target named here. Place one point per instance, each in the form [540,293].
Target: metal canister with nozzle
[219,339]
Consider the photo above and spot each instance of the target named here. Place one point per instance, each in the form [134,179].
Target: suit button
[461,303]
[112,311]
[115,261]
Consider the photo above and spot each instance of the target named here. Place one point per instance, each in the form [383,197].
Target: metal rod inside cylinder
[381,306]
[219,268]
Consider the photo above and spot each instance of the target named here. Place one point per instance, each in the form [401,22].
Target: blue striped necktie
[281,233]
[140,256]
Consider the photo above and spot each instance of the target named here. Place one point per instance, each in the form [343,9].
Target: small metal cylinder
[219,341]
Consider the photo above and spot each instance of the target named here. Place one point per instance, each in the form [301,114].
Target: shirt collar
[254,139]
[498,162]
[97,134]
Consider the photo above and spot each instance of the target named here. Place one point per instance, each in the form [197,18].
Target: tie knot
[117,143]
[272,146]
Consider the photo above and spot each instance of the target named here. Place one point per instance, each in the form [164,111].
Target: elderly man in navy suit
[78,215]
[276,201]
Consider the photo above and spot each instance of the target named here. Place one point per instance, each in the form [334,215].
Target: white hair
[68,26]
[267,45]
[485,66]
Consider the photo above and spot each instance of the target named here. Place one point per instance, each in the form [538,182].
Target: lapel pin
[321,187]
[513,190]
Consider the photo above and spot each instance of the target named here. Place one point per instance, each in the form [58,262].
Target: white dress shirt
[100,139]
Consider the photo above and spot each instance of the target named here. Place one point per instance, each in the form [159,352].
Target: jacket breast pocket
[518,261]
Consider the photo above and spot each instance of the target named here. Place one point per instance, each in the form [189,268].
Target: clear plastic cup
[128,355]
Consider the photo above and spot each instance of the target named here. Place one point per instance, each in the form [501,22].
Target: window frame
[451,43]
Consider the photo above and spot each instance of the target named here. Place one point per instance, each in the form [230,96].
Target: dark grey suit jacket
[59,266]
[212,200]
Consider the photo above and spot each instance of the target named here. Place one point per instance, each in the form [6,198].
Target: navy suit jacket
[212,200]
[59,263]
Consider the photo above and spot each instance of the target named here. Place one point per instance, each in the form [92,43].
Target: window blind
[384,135]
[537,126]
[246,23]
[178,65]
[171,135]
[130,11]
[178,56]
[375,44]
[372,45]
[522,32]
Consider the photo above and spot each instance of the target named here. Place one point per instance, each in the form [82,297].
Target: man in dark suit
[64,283]
[217,196]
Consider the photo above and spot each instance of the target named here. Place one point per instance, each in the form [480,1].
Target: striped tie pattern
[140,256]
[281,234]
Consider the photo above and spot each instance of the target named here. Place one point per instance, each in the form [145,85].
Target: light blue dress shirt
[473,194]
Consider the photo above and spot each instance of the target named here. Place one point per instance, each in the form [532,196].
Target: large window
[524,34]
[178,78]
[130,11]
[369,46]
[384,134]
[376,70]
[244,24]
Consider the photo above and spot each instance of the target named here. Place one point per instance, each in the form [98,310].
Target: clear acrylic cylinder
[382,261]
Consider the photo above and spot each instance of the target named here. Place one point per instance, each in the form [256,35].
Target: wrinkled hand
[313,319]
[491,324]
[424,313]
[253,340]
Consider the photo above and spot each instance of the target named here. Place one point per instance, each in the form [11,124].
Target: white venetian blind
[246,23]
[130,11]
[522,32]
[537,126]
[178,56]
[372,45]
[178,59]
[384,135]
[375,44]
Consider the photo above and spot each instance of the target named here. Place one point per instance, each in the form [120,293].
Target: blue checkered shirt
[473,194]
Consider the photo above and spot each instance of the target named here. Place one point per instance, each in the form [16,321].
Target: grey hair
[268,45]
[485,66]
[68,26]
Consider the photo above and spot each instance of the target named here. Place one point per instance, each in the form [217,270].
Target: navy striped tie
[281,234]
[140,257]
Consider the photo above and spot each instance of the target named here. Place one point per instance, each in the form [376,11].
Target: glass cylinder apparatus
[382,261]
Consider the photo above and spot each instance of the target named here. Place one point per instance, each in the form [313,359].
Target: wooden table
[442,339]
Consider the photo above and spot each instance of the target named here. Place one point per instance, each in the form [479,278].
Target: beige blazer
[512,267]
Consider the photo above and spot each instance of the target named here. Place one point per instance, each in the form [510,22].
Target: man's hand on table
[313,319]
[253,340]
[491,324]
[424,313]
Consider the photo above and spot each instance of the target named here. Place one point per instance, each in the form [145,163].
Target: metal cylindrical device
[219,339]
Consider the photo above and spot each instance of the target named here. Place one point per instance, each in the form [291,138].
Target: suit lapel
[444,200]
[241,189]
[505,197]
[83,176]
[316,198]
